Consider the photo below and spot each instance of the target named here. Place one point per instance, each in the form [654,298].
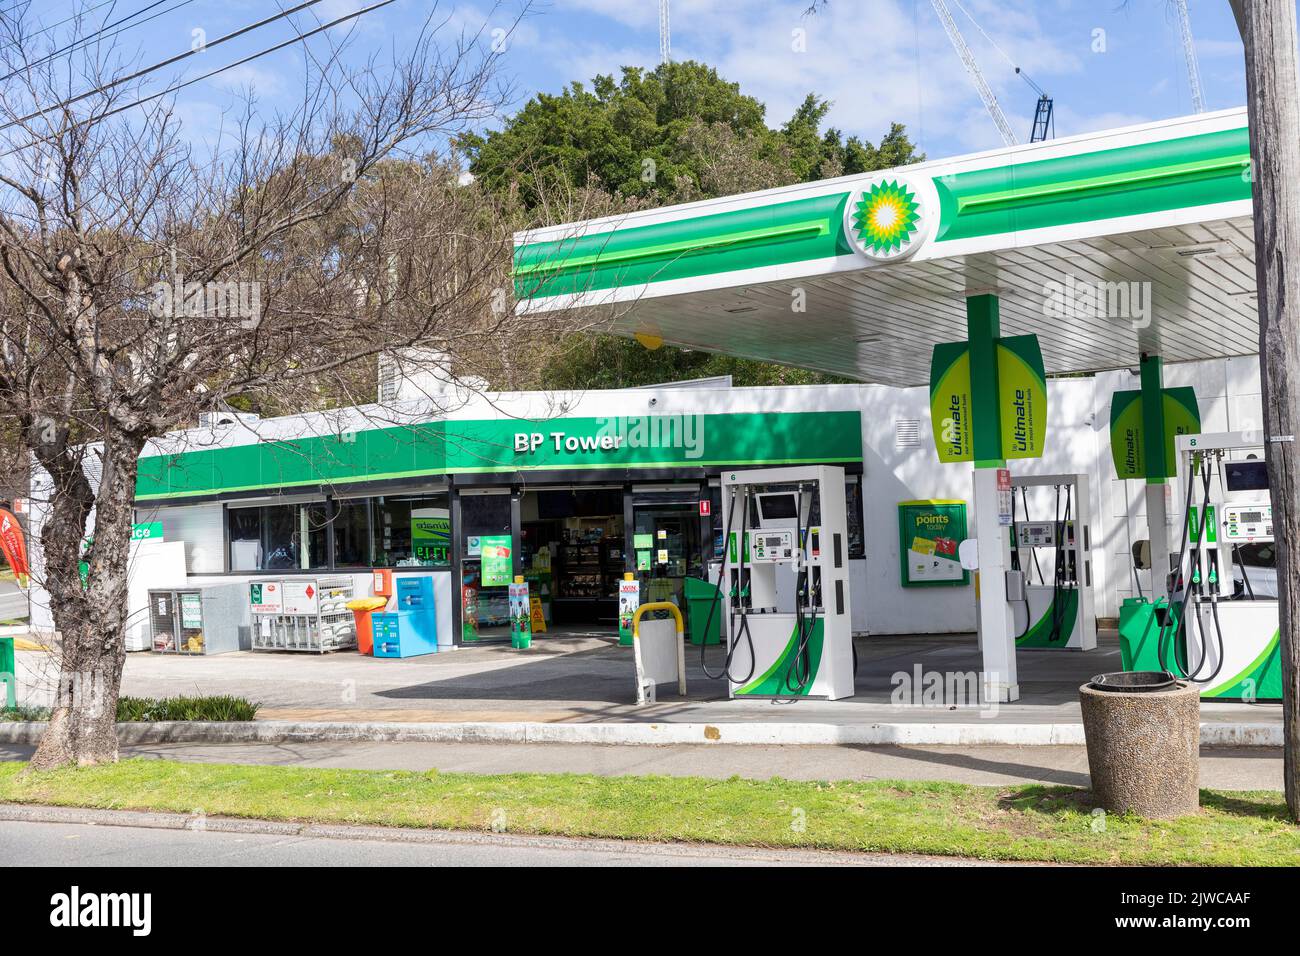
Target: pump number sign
[929,532]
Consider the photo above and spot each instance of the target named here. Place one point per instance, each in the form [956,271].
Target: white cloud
[1220,48]
[263,82]
[885,61]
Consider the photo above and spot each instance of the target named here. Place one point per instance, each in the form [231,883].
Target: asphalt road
[61,842]
[13,601]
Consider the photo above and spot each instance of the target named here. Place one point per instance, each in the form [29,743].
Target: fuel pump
[1214,631]
[784,584]
[1060,610]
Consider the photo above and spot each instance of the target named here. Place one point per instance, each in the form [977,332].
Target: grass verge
[135,709]
[1013,823]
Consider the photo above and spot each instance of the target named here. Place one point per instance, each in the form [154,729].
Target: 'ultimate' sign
[1134,452]
[1022,400]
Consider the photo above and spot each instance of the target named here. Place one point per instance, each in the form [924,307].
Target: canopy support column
[996,621]
[1153,453]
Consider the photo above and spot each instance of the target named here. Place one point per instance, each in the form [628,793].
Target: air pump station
[785,583]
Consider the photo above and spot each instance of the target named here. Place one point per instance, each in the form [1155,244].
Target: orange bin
[361,609]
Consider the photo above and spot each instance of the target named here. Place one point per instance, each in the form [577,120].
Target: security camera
[654,402]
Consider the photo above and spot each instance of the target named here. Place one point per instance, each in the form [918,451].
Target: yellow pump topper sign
[1022,400]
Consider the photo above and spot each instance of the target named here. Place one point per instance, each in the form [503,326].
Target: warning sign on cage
[300,597]
[266,597]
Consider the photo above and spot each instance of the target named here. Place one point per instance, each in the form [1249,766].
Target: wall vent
[907,432]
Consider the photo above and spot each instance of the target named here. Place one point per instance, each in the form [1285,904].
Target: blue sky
[1107,63]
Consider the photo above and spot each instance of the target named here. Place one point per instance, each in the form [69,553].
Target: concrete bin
[1143,732]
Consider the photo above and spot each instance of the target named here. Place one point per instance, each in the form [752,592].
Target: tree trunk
[1268,32]
[91,619]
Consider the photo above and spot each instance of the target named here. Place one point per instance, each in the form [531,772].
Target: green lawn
[1015,823]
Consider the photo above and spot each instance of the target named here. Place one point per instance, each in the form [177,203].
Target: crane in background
[665,35]
[1189,56]
[1044,124]
[977,77]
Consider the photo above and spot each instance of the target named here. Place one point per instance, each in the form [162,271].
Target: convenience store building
[583,487]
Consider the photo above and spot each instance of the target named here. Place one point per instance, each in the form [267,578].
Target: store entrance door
[666,542]
[488,544]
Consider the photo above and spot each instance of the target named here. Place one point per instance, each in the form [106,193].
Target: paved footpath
[1245,768]
[589,680]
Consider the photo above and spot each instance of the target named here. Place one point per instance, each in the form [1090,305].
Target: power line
[75,16]
[165,63]
[15,6]
[83,41]
[212,73]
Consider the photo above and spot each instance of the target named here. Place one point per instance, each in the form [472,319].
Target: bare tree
[1268,32]
[141,283]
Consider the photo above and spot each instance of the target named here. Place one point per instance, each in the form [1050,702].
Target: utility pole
[1268,33]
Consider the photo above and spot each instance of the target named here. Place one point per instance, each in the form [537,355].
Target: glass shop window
[353,543]
[410,531]
[278,537]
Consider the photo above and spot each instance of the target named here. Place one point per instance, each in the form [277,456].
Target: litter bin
[7,671]
[1143,730]
[700,598]
[362,609]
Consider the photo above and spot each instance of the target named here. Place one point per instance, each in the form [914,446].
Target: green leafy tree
[678,133]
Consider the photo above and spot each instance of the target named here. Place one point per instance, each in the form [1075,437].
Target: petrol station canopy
[1104,245]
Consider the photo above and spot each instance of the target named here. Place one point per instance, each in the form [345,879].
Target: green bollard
[7,671]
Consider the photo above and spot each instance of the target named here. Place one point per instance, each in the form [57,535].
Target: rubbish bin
[7,672]
[362,609]
[1143,730]
[700,599]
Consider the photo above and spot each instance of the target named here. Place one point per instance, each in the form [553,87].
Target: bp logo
[885,219]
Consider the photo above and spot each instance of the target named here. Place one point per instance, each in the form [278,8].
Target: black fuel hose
[732,639]
[798,673]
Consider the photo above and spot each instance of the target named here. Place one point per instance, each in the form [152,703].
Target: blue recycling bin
[412,629]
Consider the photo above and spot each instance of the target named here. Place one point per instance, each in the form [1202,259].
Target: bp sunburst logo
[884,218]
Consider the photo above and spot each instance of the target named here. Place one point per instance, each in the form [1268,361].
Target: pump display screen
[778,507]
[1246,475]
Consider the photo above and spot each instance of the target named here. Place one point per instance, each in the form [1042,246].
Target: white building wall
[893,474]
[1078,441]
